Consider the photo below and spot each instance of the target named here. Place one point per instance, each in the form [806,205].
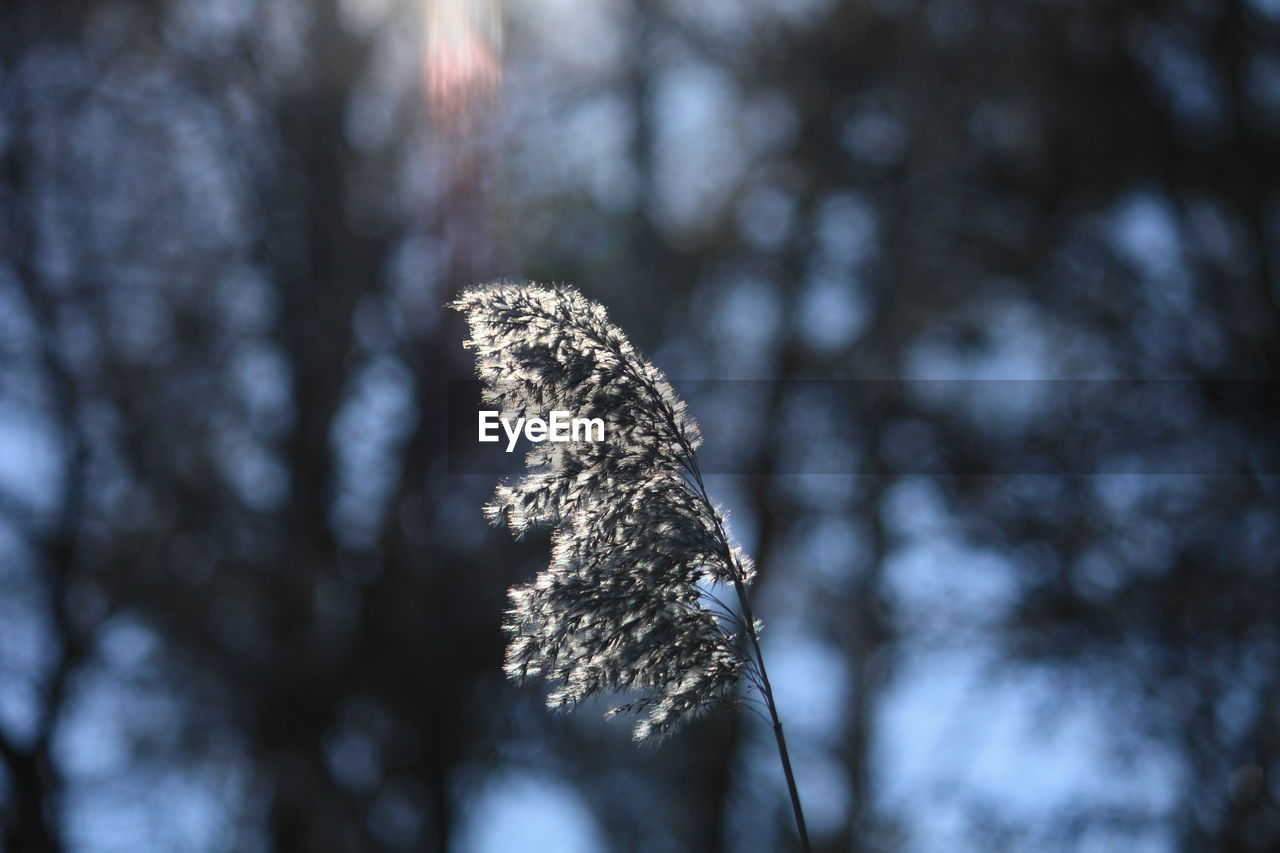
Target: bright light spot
[463,53]
[520,810]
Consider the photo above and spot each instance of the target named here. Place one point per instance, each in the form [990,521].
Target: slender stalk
[765,688]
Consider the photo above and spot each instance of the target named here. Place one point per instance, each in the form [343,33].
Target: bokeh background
[249,603]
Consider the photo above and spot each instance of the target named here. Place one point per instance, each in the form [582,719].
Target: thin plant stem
[766,690]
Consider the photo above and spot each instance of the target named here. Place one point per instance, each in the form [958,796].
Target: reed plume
[628,604]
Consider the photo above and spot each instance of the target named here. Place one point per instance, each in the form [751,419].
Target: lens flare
[463,53]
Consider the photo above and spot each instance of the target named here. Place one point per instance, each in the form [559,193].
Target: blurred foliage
[246,605]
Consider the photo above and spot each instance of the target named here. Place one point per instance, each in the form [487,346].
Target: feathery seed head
[620,607]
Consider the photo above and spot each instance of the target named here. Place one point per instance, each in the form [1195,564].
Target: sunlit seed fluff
[619,608]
